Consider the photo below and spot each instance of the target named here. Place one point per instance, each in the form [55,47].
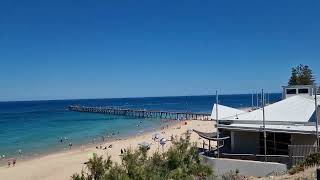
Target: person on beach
[121,151]
[13,162]
[9,163]
[70,145]
[20,152]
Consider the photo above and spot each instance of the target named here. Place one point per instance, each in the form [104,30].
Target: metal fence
[297,153]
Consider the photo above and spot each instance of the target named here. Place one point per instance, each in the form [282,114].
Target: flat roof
[299,129]
[298,86]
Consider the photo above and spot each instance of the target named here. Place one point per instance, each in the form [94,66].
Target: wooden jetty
[141,113]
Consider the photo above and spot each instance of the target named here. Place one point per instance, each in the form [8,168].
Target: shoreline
[61,165]
[20,159]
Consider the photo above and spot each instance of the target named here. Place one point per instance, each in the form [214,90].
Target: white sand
[63,164]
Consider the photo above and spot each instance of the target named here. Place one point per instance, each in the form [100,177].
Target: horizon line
[133,97]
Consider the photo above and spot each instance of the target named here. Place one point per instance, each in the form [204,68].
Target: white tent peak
[225,112]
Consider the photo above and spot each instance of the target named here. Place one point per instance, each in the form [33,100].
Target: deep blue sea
[35,127]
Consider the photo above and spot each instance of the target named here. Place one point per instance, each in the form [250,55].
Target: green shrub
[310,160]
[181,161]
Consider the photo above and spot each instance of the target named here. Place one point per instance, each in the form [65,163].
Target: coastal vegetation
[301,75]
[181,161]
[310,161]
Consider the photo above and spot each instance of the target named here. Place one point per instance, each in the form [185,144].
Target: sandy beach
[62,165]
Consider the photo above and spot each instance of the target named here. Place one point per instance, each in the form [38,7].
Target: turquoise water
[36,127]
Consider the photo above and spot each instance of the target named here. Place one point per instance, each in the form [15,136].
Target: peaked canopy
[225,112]
[210,136]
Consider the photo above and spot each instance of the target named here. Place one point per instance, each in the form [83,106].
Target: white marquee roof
[225,112]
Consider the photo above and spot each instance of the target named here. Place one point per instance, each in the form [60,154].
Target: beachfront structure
[301,90]
[141,113]
[288,124]
[224,112]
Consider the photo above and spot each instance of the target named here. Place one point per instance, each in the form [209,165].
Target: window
[303,91]
[291,91]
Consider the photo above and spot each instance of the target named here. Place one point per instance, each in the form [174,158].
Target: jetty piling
[141,113]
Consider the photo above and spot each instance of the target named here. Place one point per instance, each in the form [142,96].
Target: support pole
[217,123]
[257,100]
[252,101]
[316,113]
[264,128]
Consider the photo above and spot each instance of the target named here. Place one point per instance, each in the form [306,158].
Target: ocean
[35,127]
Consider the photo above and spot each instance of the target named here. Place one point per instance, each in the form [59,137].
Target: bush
[310,160]
[232,175]
[181,161]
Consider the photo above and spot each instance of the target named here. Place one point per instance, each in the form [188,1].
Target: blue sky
[91,49]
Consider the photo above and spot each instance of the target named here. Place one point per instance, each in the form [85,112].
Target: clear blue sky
[90,49]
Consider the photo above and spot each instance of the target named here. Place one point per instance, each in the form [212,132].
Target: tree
[181,161]
[301,75]
[294,77]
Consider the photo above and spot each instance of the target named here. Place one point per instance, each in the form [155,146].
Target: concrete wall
[247,168]
[303,139]
[244,142]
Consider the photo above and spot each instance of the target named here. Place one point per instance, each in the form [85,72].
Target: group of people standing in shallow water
[11,161]
[65,139]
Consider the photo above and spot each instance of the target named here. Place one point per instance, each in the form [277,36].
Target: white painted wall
[248,168]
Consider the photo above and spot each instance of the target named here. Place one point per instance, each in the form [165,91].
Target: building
[291,121]
[291,134]
[302,90]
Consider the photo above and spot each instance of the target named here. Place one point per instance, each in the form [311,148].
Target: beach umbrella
[163,141]
[145,144]
[156,136]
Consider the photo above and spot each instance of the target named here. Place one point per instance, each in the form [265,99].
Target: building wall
[303,139]
[244,142]
[221,166]
[297,87]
